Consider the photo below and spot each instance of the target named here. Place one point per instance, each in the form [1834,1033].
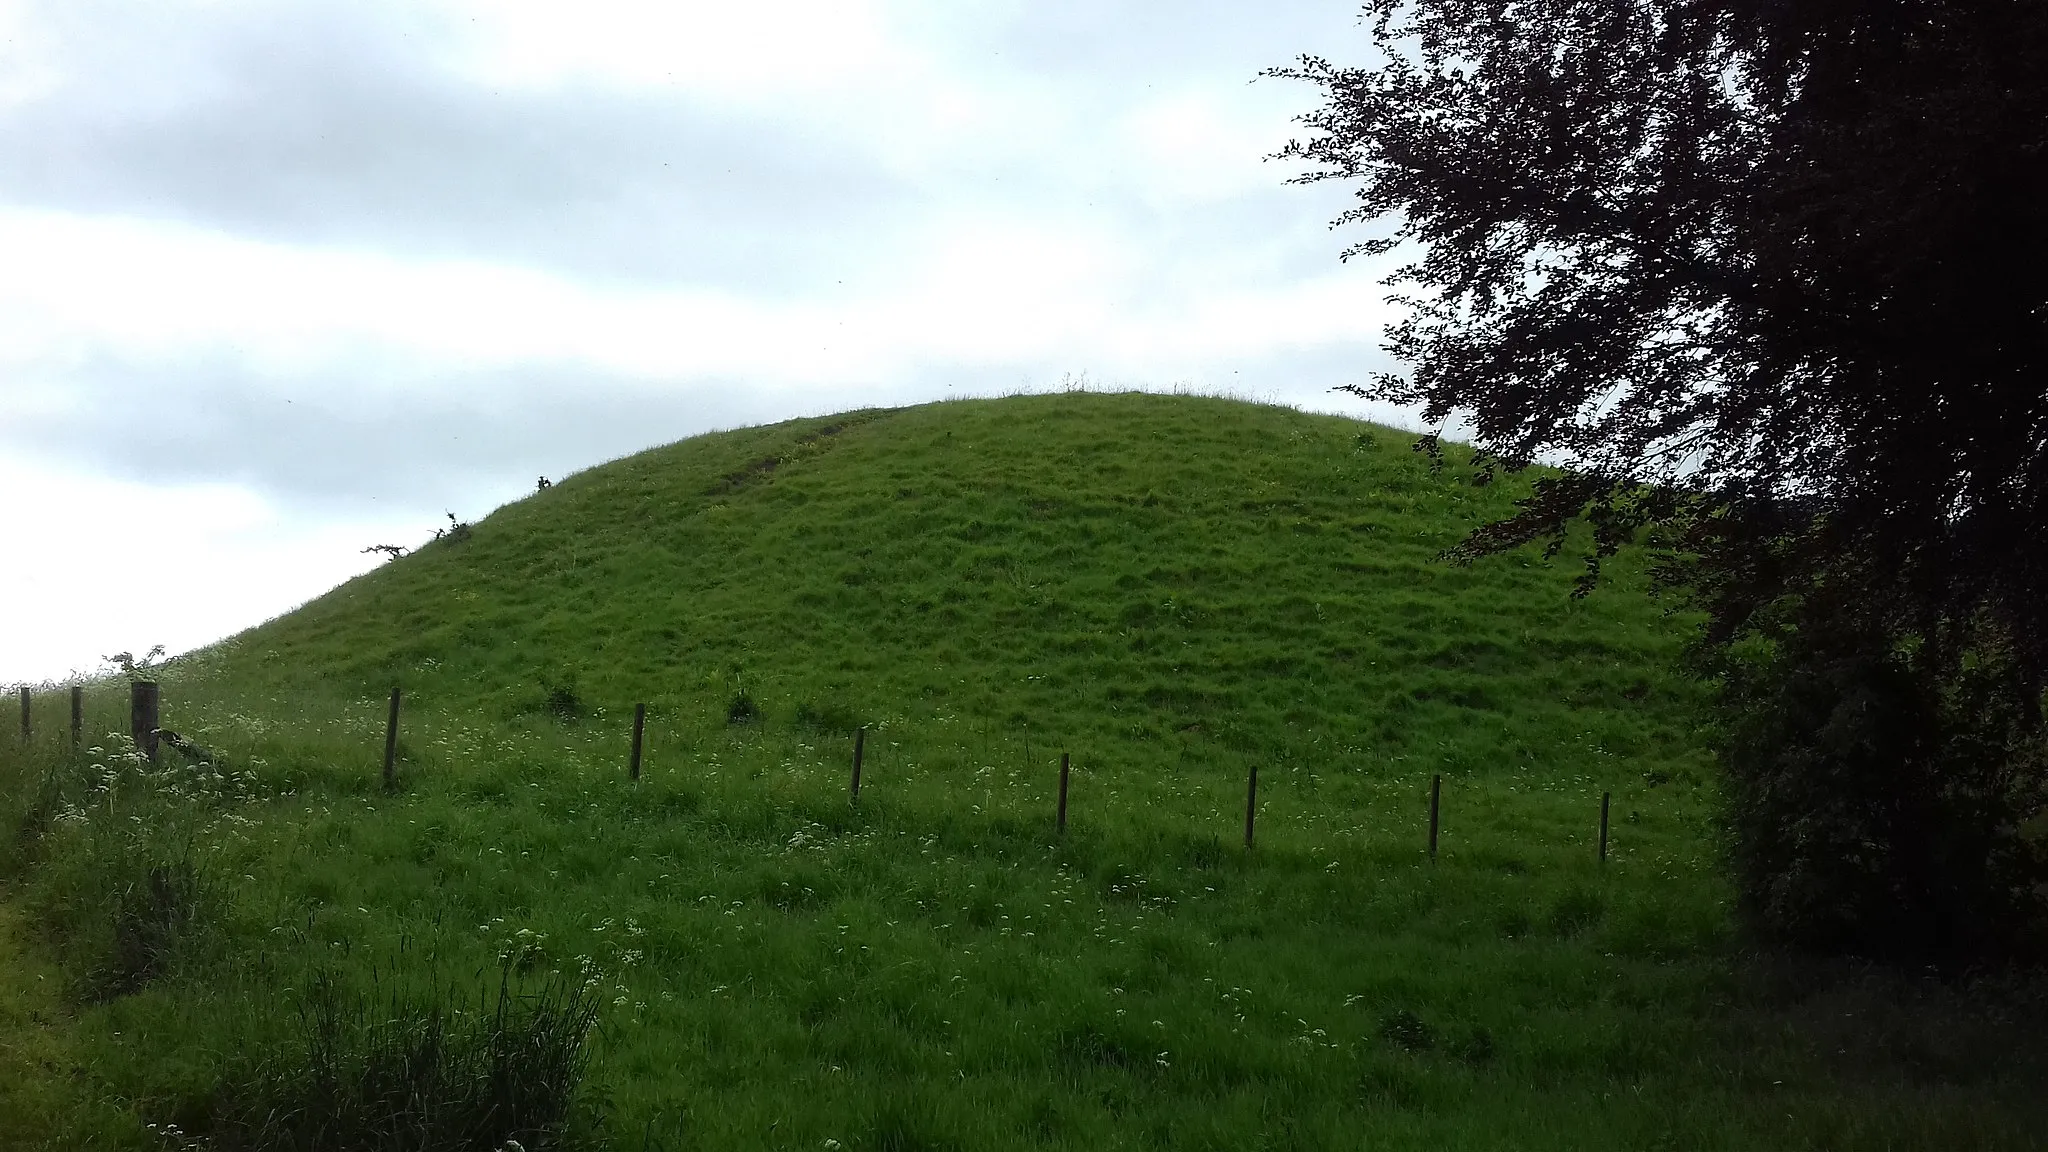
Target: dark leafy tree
[1768,276]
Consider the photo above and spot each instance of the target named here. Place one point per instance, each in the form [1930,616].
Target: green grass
[1173,589]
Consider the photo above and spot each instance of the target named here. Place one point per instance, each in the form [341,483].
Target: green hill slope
[1145,573]
[1179,592]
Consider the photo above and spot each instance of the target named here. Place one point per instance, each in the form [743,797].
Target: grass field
[1174,590]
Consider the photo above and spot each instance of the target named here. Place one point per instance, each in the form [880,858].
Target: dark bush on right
[1884,800]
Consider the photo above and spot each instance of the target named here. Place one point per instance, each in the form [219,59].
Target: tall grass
[402,1071]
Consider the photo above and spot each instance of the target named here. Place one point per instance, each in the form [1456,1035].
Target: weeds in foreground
[152,915]
[400,1071]
[127,892]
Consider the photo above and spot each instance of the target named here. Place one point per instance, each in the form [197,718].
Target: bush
[563,703]
[455,533]
[741,709]
[1881,797]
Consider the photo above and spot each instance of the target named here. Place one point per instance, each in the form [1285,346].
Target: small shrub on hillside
[416,1073]
[741,709]
[562,702]
[455,533]
[132,667]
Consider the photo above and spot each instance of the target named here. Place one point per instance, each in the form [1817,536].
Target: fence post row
[142,716]
[391,745]
[1436,792]
[1063,794]
[860,739]
[1251,804]
[639,725]
[144,725]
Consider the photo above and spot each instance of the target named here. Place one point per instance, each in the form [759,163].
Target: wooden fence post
[639,725]
[1063,793]
[1251,804]
[77,713]
[1604,798]
[1436,791]
[391,745]
[142,716]
[24,714]
[860,739]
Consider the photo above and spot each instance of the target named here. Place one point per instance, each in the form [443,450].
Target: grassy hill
[1175,591]
[1161,576]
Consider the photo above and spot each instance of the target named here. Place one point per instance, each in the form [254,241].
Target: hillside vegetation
[1160,577]
[1173,590]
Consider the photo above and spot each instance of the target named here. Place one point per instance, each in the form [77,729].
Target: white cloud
[978,288]
[27,67]
[761,53]
[174,565]
[1199,145]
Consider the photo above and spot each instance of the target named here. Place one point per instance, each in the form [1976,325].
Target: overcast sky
[280,279]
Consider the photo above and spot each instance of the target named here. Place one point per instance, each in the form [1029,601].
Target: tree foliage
[1777,272]
[1771,277]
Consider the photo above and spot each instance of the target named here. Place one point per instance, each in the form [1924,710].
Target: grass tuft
[404,1072]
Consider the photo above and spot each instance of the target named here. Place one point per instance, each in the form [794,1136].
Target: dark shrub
[1879,799]
[741,709]
[562,702]
[455,533]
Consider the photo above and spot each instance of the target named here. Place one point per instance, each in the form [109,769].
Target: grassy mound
[1157,576]
[1175,591]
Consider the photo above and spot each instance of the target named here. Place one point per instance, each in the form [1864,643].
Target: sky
[282,279]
